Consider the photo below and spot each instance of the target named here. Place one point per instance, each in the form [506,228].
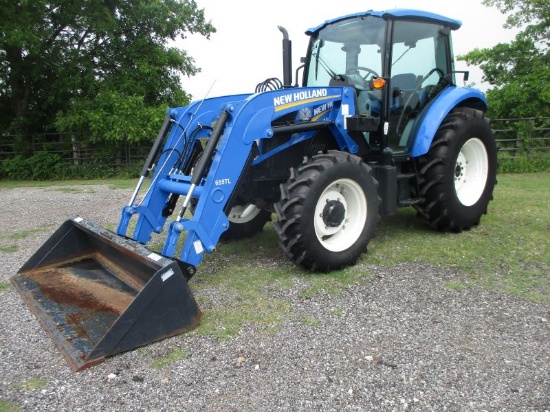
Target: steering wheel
[369,71]
[415,91]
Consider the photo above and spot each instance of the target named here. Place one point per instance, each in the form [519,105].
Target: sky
[247,47]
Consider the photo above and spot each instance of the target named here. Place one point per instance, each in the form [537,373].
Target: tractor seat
[402,85]
[403,81]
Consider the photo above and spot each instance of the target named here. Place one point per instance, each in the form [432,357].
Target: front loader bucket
[98,294]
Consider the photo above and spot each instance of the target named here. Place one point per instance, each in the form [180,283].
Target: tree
[531,15]
[93,66]
[519,72]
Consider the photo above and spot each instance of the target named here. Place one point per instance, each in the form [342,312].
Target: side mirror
[465,72]
[449,76]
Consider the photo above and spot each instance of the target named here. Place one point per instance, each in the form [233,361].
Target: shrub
[526,162]
[41,166]
[51,166]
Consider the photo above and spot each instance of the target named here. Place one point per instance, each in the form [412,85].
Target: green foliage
[57,58]
[310,321]
[525,162]
[19,235]
[532,15]
[339,312]
[42,166]
[243,296]
[459,286]
[50,166]
[110,117]
[519,72]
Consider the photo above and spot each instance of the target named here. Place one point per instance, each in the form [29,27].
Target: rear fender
[433,115]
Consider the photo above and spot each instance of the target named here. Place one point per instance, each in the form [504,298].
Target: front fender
[433,115]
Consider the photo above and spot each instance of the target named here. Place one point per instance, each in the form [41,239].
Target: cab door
[420,59]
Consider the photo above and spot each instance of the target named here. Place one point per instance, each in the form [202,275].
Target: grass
[509,251]
[73,189]
[310,321]
[4,286]
[29,384]
[35,383]
[239,295]
[11,248]
[171,357]
[7,406]
[20,235]
[70,184]
[458,286]
[339,312]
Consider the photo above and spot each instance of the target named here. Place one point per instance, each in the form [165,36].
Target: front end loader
[378,123]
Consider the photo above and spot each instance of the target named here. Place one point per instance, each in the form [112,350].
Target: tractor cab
[397,62]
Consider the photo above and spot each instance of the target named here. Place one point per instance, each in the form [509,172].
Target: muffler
[98,294]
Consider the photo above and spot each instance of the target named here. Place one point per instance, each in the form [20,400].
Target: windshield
[351,46]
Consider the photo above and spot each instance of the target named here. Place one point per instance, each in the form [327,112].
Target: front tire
[458,174]
[327,212]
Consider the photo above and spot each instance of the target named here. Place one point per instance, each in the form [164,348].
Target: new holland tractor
[377,122]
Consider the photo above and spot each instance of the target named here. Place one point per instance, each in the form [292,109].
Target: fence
[71,152]
[522,134]
[512,136]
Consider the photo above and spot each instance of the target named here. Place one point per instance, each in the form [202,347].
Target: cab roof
[395,14]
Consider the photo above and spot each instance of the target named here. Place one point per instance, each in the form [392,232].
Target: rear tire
[458,174]
[245,221]
[327,212]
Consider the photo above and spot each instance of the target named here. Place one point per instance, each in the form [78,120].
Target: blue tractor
[378,123]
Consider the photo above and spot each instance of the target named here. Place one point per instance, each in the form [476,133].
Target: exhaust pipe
[287,58]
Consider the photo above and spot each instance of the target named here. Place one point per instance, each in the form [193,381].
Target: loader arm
[228,150]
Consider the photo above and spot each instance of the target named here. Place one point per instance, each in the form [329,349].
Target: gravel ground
[403,341]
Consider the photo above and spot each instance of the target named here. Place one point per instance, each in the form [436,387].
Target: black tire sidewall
[247,229]
[475,127]
[324,258]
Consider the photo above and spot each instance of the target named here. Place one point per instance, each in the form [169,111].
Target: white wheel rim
[345,234]
[243,213]
[471,171]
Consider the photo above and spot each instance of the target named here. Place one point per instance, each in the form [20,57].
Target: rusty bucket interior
[98,294]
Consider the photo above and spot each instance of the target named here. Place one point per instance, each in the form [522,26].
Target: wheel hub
[334,213]
[458,170]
